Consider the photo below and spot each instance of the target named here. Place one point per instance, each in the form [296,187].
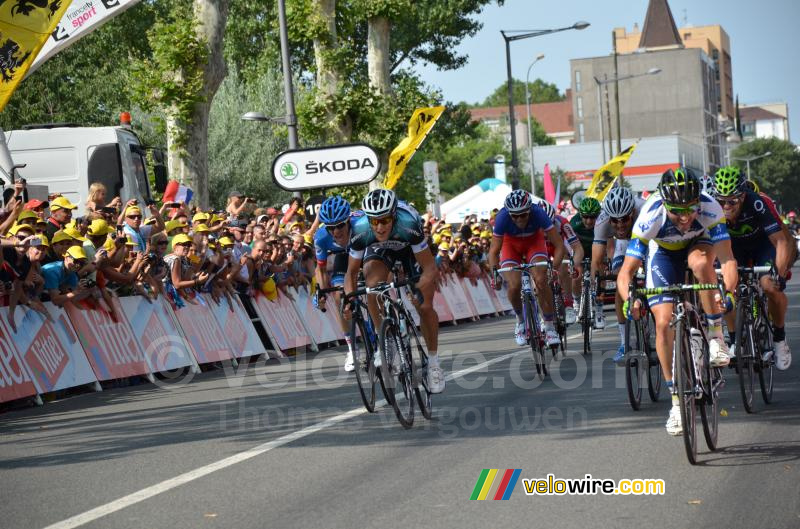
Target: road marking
[177,481]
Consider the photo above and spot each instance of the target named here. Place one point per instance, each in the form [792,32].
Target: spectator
[132,218]
[61,277]
[37,206]
[236,205]
[200,218]
[97,199]
[60,215]
[181,276]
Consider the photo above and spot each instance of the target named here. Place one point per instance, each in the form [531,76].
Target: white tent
[479,199]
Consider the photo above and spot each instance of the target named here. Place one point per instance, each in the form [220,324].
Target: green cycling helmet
[589,207]
[728,181]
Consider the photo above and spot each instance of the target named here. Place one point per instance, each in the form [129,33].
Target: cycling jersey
[325,245]
[585,235]
[755,223]
[564,229]
[406,232]
[604,230]
[522,244]
[537,220]
[654,225]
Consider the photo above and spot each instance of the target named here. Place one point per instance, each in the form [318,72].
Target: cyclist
[620,208]
[583,223]
[520,230]
[757,240]
[574,248]
[332,239]
[392,231]
[680,227]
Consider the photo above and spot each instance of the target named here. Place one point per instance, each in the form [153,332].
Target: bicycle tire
[766,369]
[633,380]
[586,320]
[420,373]
[560,307]
[709,408]
[534,338]
[366,375]
[654,371]
[686,382]
[402,401]
[745,357]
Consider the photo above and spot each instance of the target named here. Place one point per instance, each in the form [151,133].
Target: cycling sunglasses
[380,221]
[333,227]
[620,220]
[520,215]
[589,217]
[729,201]
[683,210]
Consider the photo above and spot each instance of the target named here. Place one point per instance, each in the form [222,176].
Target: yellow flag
[604,178]
[25,26]
[421,123]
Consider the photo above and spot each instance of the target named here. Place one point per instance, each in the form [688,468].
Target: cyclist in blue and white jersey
[392,231]
[332,239]
[680,227]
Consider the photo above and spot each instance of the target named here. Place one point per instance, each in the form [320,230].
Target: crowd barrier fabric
[15,381]
[110,346]
[456,297]
[282,322]
[236,326]
[315,321]
[203,333]
[480,297]
[158,334]
[441,307]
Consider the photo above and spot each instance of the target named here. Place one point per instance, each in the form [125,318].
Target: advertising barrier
[456,297]
[15,381]
[479,296]
[203,333]
[442,308]
[315,321]
[236,326]
[282,322]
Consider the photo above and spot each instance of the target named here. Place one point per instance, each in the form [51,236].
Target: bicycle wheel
[365,369]
[586,320]
[653,363]
[763,332]
[686,382]
[420,371]
[709,409]
[633,370]
[745,357]
[534,337]
[398,384]
[560,319]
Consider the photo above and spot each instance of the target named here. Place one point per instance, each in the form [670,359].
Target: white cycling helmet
[518,201]
[618,202]
[379,203]
[547,207]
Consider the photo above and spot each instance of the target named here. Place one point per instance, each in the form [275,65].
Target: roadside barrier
[80,346]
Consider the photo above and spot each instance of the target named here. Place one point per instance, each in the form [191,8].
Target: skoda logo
[289,171]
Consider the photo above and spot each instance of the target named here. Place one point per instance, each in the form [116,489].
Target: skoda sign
[338,165]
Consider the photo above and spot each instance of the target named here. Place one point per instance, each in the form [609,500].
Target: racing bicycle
[641,360]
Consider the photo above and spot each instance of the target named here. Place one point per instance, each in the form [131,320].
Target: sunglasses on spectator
[382,221]
[683,210]
[729,201]
[135,217]
[620,220]
[162,243]
[333,227]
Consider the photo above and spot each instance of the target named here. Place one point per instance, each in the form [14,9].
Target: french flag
[176,192]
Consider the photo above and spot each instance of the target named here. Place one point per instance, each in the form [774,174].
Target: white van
[68,159]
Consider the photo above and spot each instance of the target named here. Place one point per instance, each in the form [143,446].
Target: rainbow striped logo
[496,484]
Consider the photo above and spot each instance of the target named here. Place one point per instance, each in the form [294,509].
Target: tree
[777,174]
[540,92]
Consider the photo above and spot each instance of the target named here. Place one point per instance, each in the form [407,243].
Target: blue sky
[765,39]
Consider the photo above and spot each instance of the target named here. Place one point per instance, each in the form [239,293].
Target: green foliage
[777,174]
[540,92]
[173,77]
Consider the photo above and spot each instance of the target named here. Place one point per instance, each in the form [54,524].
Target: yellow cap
[200,217]
[444,246]
[99,227]
[61,236]
[226,241]
[27,214]
[201,228]
[181,238]
[76,252]
[17,227]
[61,203]
[174,225]
[486,234]
[150,220]
[42,237]
[216,218]
[74,233]
[132,210]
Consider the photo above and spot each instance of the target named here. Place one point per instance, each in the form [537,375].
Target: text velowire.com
[590,486]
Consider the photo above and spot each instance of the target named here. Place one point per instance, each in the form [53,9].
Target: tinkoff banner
[81,18]
[605,177]
[25,25]
[421,123]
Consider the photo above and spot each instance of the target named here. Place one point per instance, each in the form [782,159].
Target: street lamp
[523,34]
[704,137]
[752,159]
[528,104]
[605,82]
[260,116]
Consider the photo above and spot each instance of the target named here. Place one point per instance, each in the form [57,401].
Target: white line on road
[177,481]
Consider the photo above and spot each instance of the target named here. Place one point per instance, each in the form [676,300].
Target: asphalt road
[288,445]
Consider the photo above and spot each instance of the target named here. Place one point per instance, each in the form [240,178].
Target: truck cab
[68,159]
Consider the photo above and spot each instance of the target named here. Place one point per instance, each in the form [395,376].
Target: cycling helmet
[679,187]
[547,207]
[379,203]
[752,186]
[589,207]
[334,210]
[728,181]
[518,201]
[618,202]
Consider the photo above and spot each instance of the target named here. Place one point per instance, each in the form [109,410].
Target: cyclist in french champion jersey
[332,239]
[620,208]
[757,240]
[680,227]
[574,249]
[392,231]
[520,231]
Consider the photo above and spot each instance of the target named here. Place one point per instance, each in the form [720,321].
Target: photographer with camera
[131,220]
[237,203]
[17,274]
[61,281]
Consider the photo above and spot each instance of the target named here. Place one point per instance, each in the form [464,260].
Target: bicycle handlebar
[526,266]
[672,289]
[751,270]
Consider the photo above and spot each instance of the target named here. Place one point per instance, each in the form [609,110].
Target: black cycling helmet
[679,187]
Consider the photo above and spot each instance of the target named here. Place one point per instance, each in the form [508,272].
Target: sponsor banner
[479,296]
[410,306]
[492,294]
[460,284]
[502,297]
[335,319]
[203,333]
[336,165]
[441,307]
[110,346]
[236,326]
[455,297]
[158,336]
[81,18]
[15,381]
[314,320]
[282,322]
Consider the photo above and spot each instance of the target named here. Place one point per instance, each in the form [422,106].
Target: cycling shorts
[761,255]
[668,267]
[620,247]
[390,256]
[519,250]
[340,260]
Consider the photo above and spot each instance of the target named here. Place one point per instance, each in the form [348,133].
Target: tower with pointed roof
[659,31]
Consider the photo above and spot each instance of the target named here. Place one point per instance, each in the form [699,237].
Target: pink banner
[15,383]
[282,322]
[441,307]
[549,190]
[203,333]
